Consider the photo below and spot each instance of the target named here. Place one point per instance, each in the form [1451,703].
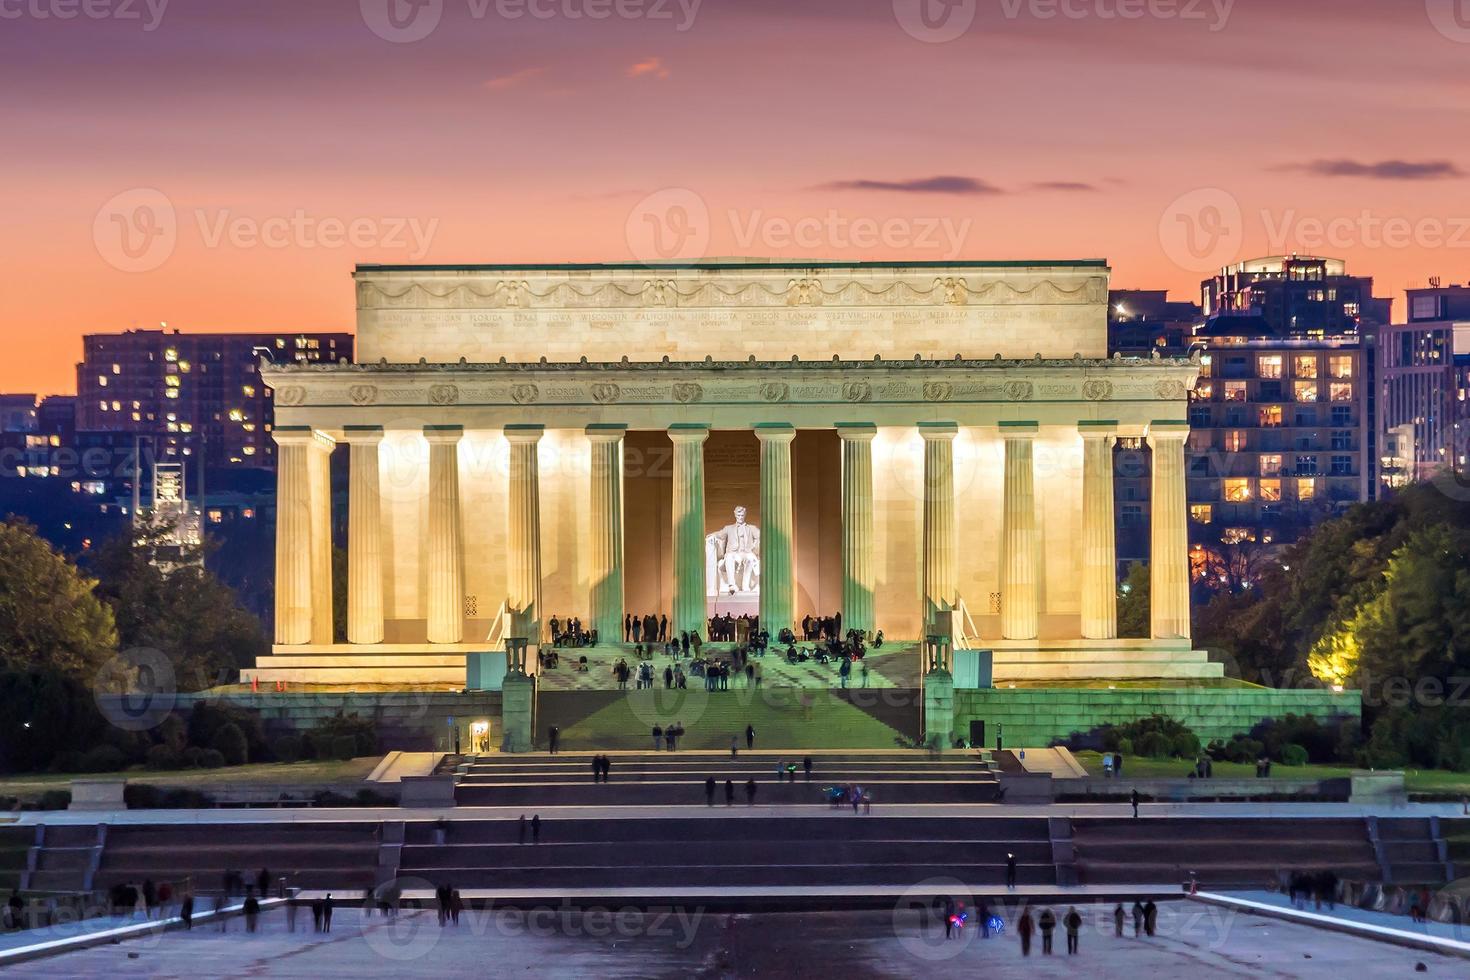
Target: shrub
[211,759]
[53,799]
[1125,746]
[344,747]
[286,748]
[103,758]
[1153,745]
[1185,745]
[171,732]
[1243,750]
[192,757]
[230,742]
[363,731]
[209,717]
[1293,755]
[142,796]
[164,757]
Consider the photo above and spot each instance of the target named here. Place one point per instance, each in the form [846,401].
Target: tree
[1133,603]
[174,605]
[50,615]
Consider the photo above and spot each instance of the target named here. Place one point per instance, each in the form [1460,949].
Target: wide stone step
[721,853]
[773,875]
[692,793]
[1102,670]
[755,827]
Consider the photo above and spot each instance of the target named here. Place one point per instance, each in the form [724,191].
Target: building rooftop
[718,264]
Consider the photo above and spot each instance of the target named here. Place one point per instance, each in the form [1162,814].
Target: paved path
[1455,937]
[1193,940]
[958,810]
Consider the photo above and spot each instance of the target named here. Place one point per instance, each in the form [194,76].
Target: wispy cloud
[945,184]
[513,80]
[1382,170]
[1063,185]
[649,67]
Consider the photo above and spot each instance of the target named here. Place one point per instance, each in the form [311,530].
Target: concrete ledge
[1026,787]
[426,791]
[1193,789]
[1363,930]
[98,794]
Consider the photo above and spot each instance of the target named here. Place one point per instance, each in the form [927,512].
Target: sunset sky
[226,141]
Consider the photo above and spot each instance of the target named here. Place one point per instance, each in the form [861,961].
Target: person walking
[536,829]
[252,910]
[1025,927]
[734,747]
[1048,923]
[596,769]
[1118,918]
[1010,870]
[186,910]
[1133,798]
[1137,919]
[658,735]
[750,736]
[1150,917]
[1073,922]
[317,910]
[709,791]
[606,768]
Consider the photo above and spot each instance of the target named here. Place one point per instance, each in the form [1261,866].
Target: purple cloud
[918,185]
[1382,170]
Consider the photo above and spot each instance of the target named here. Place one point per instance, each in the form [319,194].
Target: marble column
[858,580]
[689,584]
[1169,553]
[778,547]
[1019,610]
[607,531]
[364,536]
[940,583]
[294,568]
[446,536]
[319,463]
[523,525]
[1099,536]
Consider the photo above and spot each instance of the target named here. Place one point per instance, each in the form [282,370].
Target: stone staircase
[678,778]
[64,858]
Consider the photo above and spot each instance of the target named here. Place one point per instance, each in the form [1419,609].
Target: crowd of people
[570,633]
[645,629]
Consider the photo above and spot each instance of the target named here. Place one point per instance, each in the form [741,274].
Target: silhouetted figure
[553,739]
[317,910]
[536,829]
[750,792]
[186,910]
[521,830]
[1010,870]
[1048,923]
[1025,928]
[807,764]
[729,792]
[1150,917]
[709,791]
[252,910]
[1133,798]
[327,913]
[750,736]
[1118,918]
[1137,919]
[1073,922]
[263,883]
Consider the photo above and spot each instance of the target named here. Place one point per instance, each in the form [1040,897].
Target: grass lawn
[295,773]
[1415,780]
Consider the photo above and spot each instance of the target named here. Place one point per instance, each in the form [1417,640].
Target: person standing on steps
[553,739]
[1073,922]
[729,792]
[750,736]
[1150,917]
[663,629]
[750,792]
[1118,918]
[709,791]
[1010,870]
[1048,923]
[807,764]
[1133,798]
[658,737]
[521,830]
[1137,919]
[536,829]
[1025,928]
[734,747]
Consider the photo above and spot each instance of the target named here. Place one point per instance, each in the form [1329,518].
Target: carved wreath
[938,391]
[775,391]
[1097,391]
[686,392]
[524,394]
[363,394]
[1020,391]
[606,392]
[857,391]
[1171,389]
[444,395]
[291,395]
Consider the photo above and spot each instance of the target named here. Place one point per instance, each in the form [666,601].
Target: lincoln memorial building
[771,438]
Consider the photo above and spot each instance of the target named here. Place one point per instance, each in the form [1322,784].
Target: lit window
[102,381]
[1237,535]
[1306,489]
[1201,513]
[1340,366]
[117,369]
[102,405]
[171,393]
[236,415]
[1203,391]
[1234,441]
[249,391]
[1235,391]
[117,406]
[1271,490]
[1269,366]
[248,450]
[1237,491]
[1305,366]
[172,381]
[1269,416]
[170,355]
[1306,391]
[1341,391]
[1270,464]
[215,517]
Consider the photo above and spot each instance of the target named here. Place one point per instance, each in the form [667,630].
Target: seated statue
[735,550]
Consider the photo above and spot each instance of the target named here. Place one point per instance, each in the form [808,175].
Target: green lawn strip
[293,773]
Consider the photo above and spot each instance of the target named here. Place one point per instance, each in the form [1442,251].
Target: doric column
[1019,613]
[778,552]
[1099,538]
[689,584]
[446,545]
[319,464]
[523,581]
[857,525]
[607,530]
[1169,554]
[940,583]
[294,567]
[364,536]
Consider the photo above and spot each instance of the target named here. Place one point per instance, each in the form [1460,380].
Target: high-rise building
[1141,321]
[193,395]
[1425,396]
[1296,295]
